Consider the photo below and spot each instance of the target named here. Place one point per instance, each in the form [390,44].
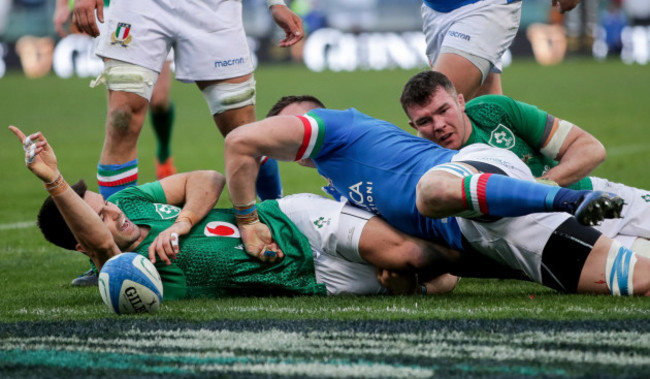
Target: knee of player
[434,197]
[120,119]
[222,97]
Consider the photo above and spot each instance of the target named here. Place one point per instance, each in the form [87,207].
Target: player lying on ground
[443,195]
[199,249]
[552,148]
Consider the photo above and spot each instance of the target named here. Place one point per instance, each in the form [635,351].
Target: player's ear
[79,248]
[461,101]
[412,125]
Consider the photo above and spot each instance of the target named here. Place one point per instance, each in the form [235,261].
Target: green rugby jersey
[502,122]
[212,261]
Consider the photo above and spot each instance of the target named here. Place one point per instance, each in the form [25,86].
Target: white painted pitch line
[17,225]
[627,150]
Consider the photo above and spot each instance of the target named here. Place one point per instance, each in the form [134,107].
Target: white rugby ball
[129,283]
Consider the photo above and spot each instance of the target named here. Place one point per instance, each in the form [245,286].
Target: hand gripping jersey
[502,122]
[212,261]
[376,166]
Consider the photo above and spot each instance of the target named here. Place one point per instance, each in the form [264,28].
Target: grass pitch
[485,328]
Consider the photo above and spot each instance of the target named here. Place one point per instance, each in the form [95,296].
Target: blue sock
[502,196]
[115,177]
[268,183]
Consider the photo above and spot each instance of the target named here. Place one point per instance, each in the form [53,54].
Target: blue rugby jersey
[376,166]
[446,6]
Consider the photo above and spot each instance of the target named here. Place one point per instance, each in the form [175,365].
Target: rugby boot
[87,279]
[165,169]
[597,206]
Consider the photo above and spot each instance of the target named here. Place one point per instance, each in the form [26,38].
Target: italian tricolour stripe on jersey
[313,138]
[474,193]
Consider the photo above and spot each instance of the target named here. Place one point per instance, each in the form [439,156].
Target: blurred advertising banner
[342,36]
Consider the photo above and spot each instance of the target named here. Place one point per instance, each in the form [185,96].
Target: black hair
[288,100]
[419,89]
[52,224]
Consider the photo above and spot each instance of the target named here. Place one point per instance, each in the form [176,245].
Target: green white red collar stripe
[313,137]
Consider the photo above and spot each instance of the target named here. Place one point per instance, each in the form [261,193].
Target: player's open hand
[259,243]
[83,16]
[397,283]
[39,156]
[167,244]
[290,22]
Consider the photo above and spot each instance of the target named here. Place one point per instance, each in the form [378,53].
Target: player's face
[442,120]
[124,232]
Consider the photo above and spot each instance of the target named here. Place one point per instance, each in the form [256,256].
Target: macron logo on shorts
[459,35]
[229,62]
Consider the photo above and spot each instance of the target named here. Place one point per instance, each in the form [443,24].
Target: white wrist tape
[271,3]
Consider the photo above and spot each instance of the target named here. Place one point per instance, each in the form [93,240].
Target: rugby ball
[129,283]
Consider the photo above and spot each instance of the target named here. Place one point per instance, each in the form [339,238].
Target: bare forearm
[202,191]
[576,164]
[241,173]
[89,230]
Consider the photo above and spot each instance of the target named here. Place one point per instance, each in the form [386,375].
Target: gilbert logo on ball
[129,283]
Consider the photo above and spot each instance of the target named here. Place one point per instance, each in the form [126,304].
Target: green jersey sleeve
[502,122]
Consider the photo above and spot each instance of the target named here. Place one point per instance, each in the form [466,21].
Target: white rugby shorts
[334,229]
[208,37]
[484,29]
[635,217]
[517,242]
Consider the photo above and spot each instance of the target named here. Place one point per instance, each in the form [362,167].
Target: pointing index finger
[17,132]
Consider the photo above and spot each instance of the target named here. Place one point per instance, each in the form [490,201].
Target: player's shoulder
[498,106]
[150,190]
[494,100]
[326,112]
[339,119]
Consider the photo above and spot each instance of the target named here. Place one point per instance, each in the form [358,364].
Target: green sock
[162,123]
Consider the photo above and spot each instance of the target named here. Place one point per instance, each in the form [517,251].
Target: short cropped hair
[421,87]
[52,224]
[288,100]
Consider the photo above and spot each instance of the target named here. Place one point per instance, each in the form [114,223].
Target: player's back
[212,261]
[377,166]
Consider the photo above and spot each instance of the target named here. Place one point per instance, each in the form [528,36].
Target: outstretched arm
[408,284]
[277,137]
[288,21]
[93,236]
[406,264]
[197,192]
